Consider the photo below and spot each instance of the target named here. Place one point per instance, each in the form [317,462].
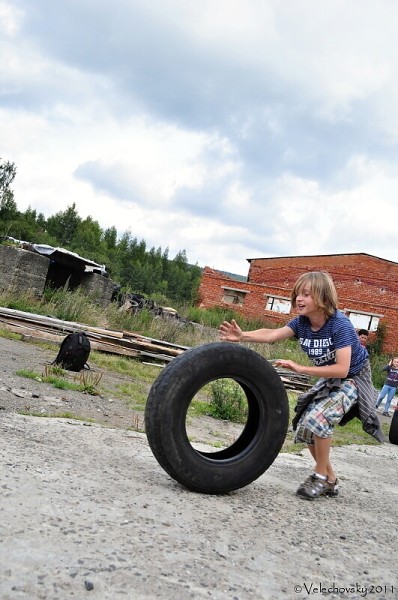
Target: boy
[363,335]
[345,386]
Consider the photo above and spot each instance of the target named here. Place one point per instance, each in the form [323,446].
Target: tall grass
[224,403]
[21,301]
[212,317]
[199,326]
[228,401]
[61,304]
[71,306]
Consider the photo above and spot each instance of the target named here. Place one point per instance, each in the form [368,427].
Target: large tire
[262,436]
[393,433]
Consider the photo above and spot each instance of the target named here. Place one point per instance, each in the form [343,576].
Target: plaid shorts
[320,416]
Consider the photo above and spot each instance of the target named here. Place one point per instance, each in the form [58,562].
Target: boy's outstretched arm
[231,332]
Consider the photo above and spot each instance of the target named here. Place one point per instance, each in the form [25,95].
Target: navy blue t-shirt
[392,377]
[320,346]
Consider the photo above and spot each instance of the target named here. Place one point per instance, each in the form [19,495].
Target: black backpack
[74,352]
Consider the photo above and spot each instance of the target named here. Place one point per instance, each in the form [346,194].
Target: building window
[278,304]
[234,296]
[363,320]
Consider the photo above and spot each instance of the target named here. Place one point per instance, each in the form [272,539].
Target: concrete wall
[364,283]
[99,288]
[22,271]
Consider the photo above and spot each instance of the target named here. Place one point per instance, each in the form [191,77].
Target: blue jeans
[389,391]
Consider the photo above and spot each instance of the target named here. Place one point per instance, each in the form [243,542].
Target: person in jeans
[390,387]
[345,388]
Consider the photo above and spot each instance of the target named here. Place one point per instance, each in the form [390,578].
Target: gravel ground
[88,512]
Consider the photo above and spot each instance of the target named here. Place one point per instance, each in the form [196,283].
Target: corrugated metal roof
[62,256]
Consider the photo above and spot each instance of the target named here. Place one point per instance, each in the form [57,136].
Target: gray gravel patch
[88,512]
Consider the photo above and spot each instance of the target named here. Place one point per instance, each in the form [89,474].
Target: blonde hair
[322,288]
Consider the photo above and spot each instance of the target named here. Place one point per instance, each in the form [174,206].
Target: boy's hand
[289,364]
[230,332]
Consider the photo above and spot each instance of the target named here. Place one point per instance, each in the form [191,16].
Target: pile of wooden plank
[125,343]
[52,330]
[293,381]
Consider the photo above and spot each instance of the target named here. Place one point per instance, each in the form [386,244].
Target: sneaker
[386,414]
[313,487]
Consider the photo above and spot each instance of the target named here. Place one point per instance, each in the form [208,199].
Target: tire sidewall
[171,396]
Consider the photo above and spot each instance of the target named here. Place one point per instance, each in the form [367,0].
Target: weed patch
[227,401]
[136,392]
[62,415]
[53,376]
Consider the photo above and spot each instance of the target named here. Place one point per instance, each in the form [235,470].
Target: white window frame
[363,320]
[234,295]
[279,304]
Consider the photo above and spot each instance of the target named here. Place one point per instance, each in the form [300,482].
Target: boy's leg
[323,482]
[315,428]
[323,465]
[318,450]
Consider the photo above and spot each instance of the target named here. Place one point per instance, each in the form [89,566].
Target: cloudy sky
[232,129]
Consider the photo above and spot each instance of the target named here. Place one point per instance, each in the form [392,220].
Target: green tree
[181,258]
[110,237]
[87,240]
[183,279]
[63,225]
[7,176]
[8,207]
[27,227]
[128,260]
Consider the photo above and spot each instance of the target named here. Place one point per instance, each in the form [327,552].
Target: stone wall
[98,287]
[22,271]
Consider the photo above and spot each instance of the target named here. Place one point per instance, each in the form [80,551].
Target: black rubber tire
[393,433]
[262,436]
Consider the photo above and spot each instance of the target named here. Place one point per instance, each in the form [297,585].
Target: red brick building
[367,288]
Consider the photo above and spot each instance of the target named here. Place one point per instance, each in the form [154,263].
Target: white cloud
[10,17]
[232,129]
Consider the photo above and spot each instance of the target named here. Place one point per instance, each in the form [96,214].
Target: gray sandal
[314,487]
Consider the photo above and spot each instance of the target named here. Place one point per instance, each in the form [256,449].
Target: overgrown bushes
[228,401]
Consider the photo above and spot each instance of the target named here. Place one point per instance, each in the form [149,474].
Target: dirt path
[112,408]
[86,511]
